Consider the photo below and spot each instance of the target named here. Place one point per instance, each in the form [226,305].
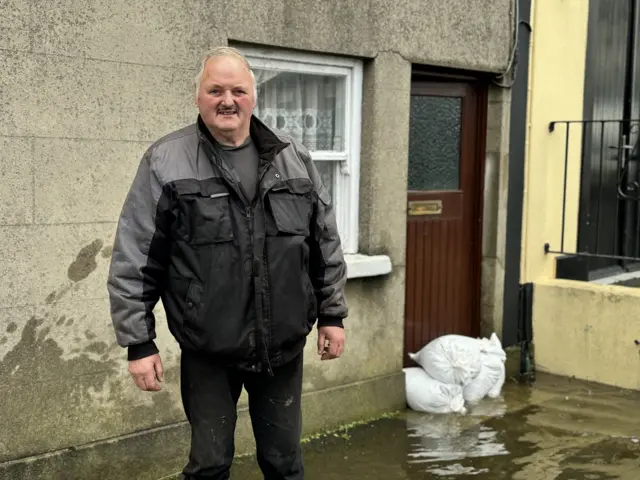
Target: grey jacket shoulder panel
[174,136]
[178,155]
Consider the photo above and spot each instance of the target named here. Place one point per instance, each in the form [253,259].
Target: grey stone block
[64,380]
[498,115]
[16,69]
[79,409]
[91,99]
[492,292]
[384,162]
[359,401]
[327,27]
[374,335]
[83,180]
[12,322]
[475,35]
[16,175]
[57,263]
[147,32]
[14,25]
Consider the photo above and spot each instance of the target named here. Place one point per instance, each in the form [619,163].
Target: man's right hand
[146,371]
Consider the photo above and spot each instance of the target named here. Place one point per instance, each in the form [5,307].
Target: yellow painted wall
[557,65]
[579,329]
[587,331]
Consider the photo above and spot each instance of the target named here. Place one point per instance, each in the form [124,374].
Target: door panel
[444,206]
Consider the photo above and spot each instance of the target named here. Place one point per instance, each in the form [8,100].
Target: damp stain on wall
[85,262]
[52,393]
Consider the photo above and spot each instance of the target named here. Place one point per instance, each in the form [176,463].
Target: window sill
[359,266]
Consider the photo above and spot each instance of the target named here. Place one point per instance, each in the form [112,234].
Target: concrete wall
[86,87]
[587,331]
[558,50]
[494,221]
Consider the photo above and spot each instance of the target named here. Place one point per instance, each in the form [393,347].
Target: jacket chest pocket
[205,217]
[291,212]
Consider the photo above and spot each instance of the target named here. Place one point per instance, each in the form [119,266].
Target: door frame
[474,120]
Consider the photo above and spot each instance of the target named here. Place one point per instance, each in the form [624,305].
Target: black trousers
[210,395]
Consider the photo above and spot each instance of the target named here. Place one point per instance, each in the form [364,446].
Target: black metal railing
[609,197]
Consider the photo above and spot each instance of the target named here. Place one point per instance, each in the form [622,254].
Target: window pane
[308,107]
[327,171]
[434,143]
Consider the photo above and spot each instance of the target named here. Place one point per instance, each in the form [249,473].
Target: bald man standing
[229,224]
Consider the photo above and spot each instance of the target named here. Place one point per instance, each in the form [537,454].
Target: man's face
[225,97]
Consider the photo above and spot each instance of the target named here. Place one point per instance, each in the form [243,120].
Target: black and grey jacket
[243,283]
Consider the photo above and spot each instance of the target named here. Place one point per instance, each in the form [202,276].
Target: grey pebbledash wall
[85,87]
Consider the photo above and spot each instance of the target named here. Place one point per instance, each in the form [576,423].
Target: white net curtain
[308,107]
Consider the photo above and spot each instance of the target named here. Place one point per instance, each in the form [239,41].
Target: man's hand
[330,342]
[145,371]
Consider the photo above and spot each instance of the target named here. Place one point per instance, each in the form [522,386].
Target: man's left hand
[330,342]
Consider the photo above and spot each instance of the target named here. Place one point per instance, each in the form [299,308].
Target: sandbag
[494,346]
[497,388]
[487,378]
[425,394]
[452,359]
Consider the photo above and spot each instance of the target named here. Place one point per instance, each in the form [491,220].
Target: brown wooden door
[444,212]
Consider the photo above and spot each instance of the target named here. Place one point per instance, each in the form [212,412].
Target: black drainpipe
[516,319]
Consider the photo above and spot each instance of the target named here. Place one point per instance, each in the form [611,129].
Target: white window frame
[347,172]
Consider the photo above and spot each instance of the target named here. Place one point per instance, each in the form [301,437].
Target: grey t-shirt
[244,161]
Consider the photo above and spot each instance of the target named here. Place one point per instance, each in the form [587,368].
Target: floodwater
[552,429]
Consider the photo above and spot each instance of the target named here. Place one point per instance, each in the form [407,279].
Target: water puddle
[556,429]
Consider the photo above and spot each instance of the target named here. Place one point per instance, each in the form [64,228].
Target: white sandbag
[491,374]
[451,359]
[497,388]
[496,349]
[494,346]
[425,394]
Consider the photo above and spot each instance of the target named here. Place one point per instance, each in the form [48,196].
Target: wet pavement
[552,429]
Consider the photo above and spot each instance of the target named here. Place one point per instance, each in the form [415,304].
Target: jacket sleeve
[138,262]
[327,263]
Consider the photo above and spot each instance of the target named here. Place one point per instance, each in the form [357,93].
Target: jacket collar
[266,141]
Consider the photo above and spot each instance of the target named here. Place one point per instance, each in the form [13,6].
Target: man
[229,224]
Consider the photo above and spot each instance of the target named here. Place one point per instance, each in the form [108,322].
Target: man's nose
[227,98]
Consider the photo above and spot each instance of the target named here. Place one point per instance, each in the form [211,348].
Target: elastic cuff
[330,322]
[142,350]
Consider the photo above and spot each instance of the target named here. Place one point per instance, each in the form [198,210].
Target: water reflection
[446,438]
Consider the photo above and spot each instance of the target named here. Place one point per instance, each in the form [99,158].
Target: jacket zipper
[258,199]
[249,213]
